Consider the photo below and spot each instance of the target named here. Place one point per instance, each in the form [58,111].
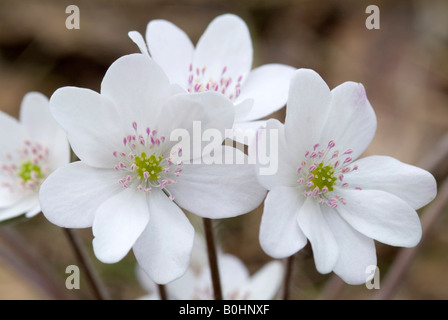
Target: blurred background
[403,66]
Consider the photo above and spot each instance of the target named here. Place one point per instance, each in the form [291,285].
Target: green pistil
[26,170]
[323,177]
[151,165]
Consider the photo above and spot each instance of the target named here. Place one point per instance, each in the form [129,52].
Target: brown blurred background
[403,66]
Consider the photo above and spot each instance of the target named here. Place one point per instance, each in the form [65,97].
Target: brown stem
[96,285]
[162,292]
[212,258]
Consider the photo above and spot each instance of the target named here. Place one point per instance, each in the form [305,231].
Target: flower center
[146,162]
[322,171]
[148,168]
[323,177]
[198,82]
[29,172]
[26,168]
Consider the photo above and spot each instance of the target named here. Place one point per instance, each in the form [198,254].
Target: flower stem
[212,258]
[162,292]
[98,288]
[287,279]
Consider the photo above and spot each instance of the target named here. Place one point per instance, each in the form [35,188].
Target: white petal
[413,185]
[71,195]
[307,111]
[312,221]
[34,211]
[352,121]
[118,222]
[184,287]
[21,207]
[233,274]
[265,284]
[356,251]
[164,248]
[268,85]
[245,132]
[243,108]
[171,48]
[280,235]
[382,216]
[208,110]
[12,135]
[41,126]
[225,43]
[219,190]
[137,86]
[8,198]
[270,150]
[137,38]
[92,124]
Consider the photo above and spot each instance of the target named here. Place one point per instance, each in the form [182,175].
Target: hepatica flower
[30,149]
[221,62]
[128,185]
[237,283]
[323,194]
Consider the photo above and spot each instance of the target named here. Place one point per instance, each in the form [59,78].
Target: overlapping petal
[218,190]
[280,234]
[118,223]
[415,186]
[71,195]
[268,86]
[163,249]
[171,48]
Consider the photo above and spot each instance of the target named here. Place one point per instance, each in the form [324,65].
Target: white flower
[29,151]
[221,62]
[322,194]
[127,186]
[236,282]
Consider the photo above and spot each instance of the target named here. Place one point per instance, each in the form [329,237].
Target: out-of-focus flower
[30,149]
[322,194]
[236,282]
[128,186]
[221,62]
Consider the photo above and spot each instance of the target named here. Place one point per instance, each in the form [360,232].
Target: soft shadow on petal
[351,122]
[271,150]
[325,248]
[19,208]
[45,130]
[12,135]
[225,43]
[137,85]
[268,85]
[118,222]
[92,124]
[382,216]
[307,110]
[266,282]
[413,185]
[171,48]
[219,190]
[280,235]
[71,195]
[164,248]
[356,251]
